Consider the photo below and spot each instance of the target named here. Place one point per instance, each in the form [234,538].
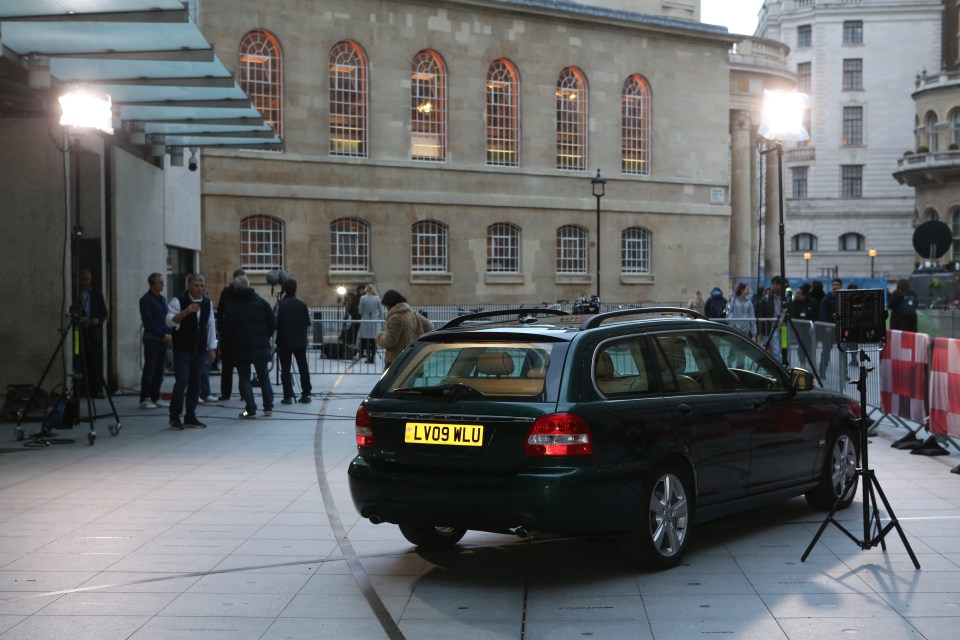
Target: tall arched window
[348,100]
[933,140]
[503,248]
[804,242]
[428,247]
[635,250]
[635,126]
[852,242]
[571,249]
[955,127]
[349,245]
[571,120]
[261,243]
[503,115]
[428,108]
[260,74]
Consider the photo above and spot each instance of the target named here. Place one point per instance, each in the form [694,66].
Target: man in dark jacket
[226,363]
[716,304]
[194,339]
[93,315]
[293,321]
[248,324]
[828,315]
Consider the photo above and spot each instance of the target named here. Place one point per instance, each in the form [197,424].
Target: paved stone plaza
[246,530]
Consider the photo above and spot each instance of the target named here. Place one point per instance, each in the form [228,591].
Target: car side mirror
[801,379]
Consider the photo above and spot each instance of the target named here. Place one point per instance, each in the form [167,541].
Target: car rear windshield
[510,371]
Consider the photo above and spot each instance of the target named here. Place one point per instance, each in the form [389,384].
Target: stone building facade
[441,211]
[854,58]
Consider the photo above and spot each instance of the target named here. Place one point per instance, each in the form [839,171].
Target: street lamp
[599,186]
[873,254]
[782,120]
[806,258]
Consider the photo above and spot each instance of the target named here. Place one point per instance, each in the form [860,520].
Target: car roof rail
[596,319]
[522,313]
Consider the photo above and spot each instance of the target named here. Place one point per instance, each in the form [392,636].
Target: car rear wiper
[452,390]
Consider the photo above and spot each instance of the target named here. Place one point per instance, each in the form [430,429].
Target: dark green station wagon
[637,422]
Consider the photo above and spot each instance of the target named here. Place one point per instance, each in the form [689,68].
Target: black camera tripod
[786,320]
[46,436]
[873,533]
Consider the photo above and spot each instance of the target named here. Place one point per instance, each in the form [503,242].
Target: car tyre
[839,473]
[663,529]
[432,537]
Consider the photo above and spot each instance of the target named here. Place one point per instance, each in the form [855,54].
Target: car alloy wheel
[661,537]
[838,478]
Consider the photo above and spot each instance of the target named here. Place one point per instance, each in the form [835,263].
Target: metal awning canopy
[163,77]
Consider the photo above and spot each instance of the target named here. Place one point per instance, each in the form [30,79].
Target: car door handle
[685,409]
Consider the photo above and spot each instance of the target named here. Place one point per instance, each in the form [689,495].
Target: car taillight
[855,410]
[364,429]
[559,434]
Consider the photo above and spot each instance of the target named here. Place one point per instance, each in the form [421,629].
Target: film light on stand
[84,109]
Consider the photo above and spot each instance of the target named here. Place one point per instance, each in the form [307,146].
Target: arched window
[930,214]
[571,120]
[635,126]
[955,127]
[804,242]
[503,248]
[571,249]
[261,243]
[635,251]
[503,115]
[428,108]
[933,140]
[349,245]
[260,74]
[428,247]
[852,242]
[348,100]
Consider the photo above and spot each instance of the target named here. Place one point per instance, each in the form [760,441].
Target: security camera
[193,163]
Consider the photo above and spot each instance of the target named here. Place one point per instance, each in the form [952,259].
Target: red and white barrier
[903,381]
[945,387]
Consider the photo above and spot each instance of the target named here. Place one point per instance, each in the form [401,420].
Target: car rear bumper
[567,500]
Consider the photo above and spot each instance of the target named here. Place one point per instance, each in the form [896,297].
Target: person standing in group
[370,310]
[404,325]
[803,312]
[226,363]
[93,315]
[293,322]
[828,315]
[716,305]
[903,307]
[248,324]
[156,339]
[768,311]
[741,313]
[696,303]
[194,340]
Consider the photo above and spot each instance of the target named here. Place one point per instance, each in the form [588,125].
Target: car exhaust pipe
[375,519]
[520,532]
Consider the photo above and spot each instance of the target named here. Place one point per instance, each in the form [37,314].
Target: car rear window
[505,370]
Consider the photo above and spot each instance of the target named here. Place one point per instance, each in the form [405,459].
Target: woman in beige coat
[404,325]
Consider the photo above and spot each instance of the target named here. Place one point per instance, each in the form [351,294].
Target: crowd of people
[238,331]
[760,315]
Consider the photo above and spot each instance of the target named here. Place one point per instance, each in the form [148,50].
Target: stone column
[741,194]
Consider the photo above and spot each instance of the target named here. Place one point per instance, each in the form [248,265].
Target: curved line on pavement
[349,555]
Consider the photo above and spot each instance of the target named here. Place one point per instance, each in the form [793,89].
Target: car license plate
[464,435]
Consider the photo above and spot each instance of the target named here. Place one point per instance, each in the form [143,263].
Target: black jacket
[248,322]
[293,321]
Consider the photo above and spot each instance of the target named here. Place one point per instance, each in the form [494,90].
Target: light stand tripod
[785,320]
[873,533]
